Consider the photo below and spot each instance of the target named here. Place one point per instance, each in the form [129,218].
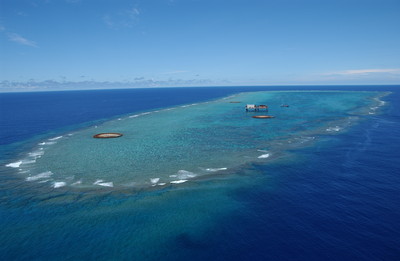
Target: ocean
[195,177]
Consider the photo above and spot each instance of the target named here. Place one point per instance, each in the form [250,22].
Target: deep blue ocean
[337,199]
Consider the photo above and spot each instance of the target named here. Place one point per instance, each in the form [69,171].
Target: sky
[89,44]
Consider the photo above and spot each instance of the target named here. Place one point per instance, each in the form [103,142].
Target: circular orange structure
[107,135]
[263,116]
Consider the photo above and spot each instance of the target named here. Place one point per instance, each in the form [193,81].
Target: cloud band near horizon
[365,71]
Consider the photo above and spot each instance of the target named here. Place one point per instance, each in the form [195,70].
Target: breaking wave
[43,175]
[59,184]
[178,181]
[101,182]
[264,156]
[215,169]
[56,138]
[14,164]
[332,129]
[184,174]
[154,180]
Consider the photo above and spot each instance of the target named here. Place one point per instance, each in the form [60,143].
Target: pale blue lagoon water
[176,144]
[199,178]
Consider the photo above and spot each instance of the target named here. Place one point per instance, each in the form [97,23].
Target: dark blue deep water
[336,200]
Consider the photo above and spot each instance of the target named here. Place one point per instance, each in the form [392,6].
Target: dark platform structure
[253,107]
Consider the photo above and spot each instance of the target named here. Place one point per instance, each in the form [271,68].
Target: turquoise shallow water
[180,144]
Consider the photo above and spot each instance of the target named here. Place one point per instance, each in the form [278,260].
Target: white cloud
[108,21]
[125,18]
[364,72]
[141,82]
[22,14]
[21,40]
[133,12]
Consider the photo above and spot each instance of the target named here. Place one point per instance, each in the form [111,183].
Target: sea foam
[77,183]
[43,175]
[28,161]
[36,154]
[56,138]
[264,156]
[14,164]
[59,184]
[184,174]
[178,181]
[336,128]
[106,184]
[215,169]
[101,182]
[155,180]
[47,143]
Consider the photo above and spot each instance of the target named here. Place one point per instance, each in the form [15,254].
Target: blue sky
[69,44]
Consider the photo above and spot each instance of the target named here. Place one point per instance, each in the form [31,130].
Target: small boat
[284,105]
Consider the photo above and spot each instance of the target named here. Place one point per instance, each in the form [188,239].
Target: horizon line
[199,86]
